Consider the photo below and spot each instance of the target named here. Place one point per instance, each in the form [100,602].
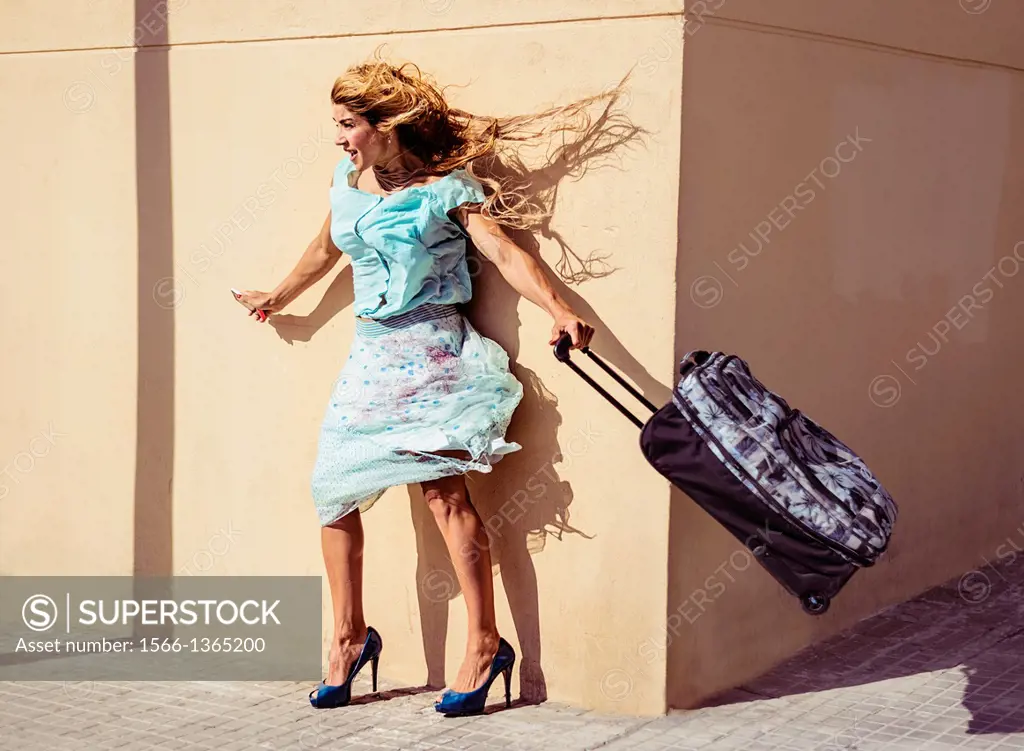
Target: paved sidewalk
[943,671]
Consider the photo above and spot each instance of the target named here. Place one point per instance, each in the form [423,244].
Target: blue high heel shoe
[328,697]
[472,702]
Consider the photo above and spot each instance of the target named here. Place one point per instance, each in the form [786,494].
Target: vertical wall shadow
[154,448]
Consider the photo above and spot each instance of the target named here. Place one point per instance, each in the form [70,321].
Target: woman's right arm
[319,258]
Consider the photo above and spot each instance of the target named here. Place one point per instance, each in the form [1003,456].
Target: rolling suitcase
[801,501]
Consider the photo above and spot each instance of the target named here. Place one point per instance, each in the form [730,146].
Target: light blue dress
[419,378]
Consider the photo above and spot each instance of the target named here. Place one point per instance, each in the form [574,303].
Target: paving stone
[934,673]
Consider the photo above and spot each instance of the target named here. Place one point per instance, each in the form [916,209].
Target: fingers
[556,334]
[582,335]
[586,333]
[579,333]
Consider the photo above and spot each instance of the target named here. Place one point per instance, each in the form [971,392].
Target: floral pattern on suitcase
[782,455]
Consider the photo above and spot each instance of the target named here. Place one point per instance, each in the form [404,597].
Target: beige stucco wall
[226,144]
[235,154]
[917,211]
[139,187]
[67,443]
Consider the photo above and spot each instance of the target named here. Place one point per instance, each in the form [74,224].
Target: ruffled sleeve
[457,189]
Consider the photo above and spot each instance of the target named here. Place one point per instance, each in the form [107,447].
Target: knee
[350,523]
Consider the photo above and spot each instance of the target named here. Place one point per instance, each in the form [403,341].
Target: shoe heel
[373,667]
[507,672]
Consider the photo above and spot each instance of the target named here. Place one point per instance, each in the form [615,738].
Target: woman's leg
[468,546]
[342,543]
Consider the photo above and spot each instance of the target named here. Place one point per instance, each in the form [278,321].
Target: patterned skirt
[413,385]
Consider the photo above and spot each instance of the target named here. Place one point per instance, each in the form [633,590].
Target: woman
[423,397]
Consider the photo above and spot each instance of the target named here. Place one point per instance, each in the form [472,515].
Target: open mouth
[351,153]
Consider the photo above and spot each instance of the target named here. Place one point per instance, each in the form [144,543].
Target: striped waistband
[427,312]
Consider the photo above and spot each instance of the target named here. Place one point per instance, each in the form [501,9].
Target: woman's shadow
[523,501]
[339,295]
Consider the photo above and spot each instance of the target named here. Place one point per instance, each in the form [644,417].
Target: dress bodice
[406,249]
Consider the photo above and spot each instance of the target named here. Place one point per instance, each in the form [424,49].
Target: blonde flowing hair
[404,100]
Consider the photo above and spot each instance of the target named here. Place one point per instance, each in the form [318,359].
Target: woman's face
[364,143]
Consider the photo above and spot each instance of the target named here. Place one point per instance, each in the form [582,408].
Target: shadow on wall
[887,308]
[975,622]
[714,587]
[339,295]
[523,501]
[715,631]
[154,454]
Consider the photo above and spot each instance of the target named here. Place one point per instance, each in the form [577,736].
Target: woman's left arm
[526,276]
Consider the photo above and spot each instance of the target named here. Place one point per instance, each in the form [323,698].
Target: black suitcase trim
[804,562]
[797,559]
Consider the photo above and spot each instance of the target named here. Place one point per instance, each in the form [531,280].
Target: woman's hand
[578,330]
[319,258]
[258,301]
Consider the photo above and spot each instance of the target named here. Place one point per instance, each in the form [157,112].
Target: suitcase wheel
[815,604]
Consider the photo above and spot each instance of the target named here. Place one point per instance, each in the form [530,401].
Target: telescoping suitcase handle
[562,355]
